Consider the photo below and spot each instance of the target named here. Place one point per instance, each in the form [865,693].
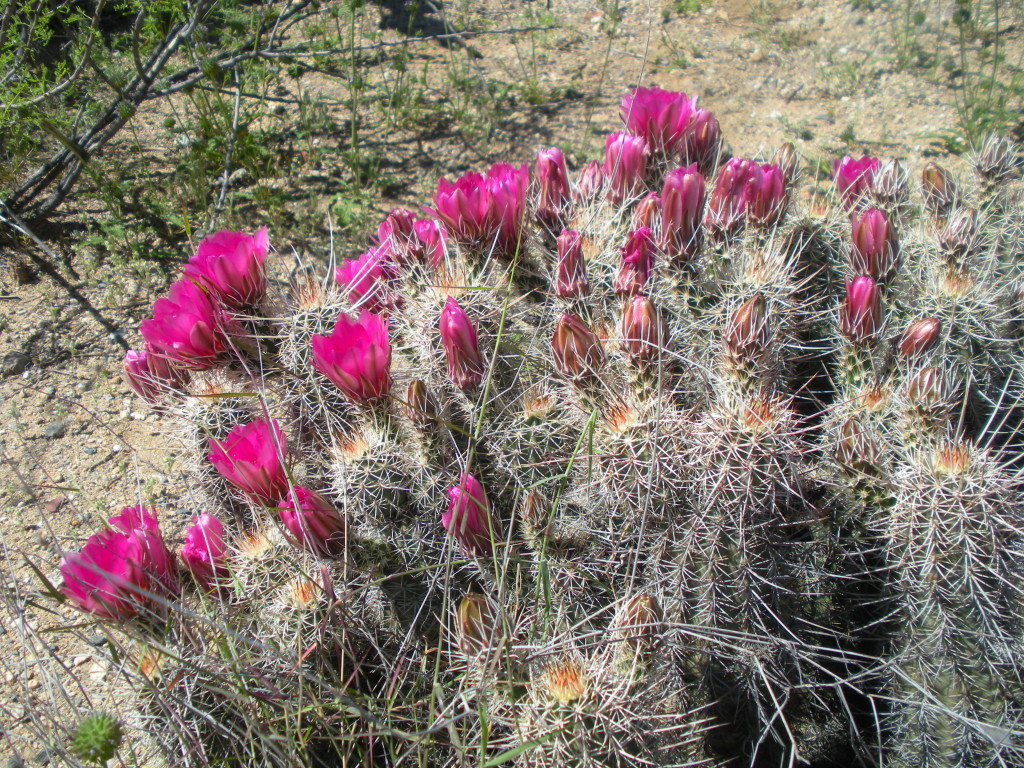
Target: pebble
[89,450]
[14,363]
[55,429]
[50,392]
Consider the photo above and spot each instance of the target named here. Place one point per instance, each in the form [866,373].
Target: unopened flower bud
[419,405]
[469,518]
[875,246]
[644,331]
[590,183]
[571,271]
[637,262]
[625,163]
[929,389]
[682,207]
[748,334]
[536,515]
[727,206]
[477,624]
[959,240]
[939,190]
[465,363]
[577,352]
[787,161]
[646,210]
[890,186]
[638,623]
[704,141]
[996,161]
[856,451]
[312,522]
[860,317]
[554,185]
[920,337]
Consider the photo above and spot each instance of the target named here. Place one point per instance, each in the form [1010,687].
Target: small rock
[96,640]
[54,429]
[50,392]
[89,450]
[14,363]
[116,448]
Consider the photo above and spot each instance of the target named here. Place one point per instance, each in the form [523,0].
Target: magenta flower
[644,331]
[231,265]
[506,195]
[356,356]
[767,201]
[575,348]
[682,206]
[204,553]
[313,522]
[369,281]
[661,117]
[469,518]
[150,375]
[734,187]
[853,178]
[250,458]
[397,237]
[571,271]
[875,248]
[637,262]
[465,363]
[590,183]
[860,316]
[433,240]
[625,163]
[704,141]
[554,185]
[120,570]
[186,327]
[463,206]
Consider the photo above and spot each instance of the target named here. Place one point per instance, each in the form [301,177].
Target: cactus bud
[939,189]
[644,331]
[313,522]
[625,163]
[204,553]
[576,350]
[875,247]
[566,681]
[638,623]
[730,197]
[465,363]
[637,262]
[682,206]
[996,161]
[645,211]
[860,317]
[397,236]
[536,515]
[890,186]
[768,199]
[920,337]
[554,185]
[856,451]
[571,275]
[929,389]
[787,161]
[477,624]
[704,142]
[419,405]
[853,178]
[469,518]
[959,241]
[748,334]
[590,183]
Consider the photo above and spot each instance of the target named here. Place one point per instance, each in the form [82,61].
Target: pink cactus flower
[733,190]
[469,517]
[571,271]
[186,327]
[506,195]
[662,118]
[682,207]
[204,553]
[576,350]
[313,522]
[554,185]
[370,281]
[860,316]
[465,363]
[875,247]
[625,163]
[853,178]
[646,211]
[768,199]
[397,237]
[121,570]
[590,183]
[433,240]
[231,265]
[151,375]
[464,207]
[637,262]
[356,356]
[250,458]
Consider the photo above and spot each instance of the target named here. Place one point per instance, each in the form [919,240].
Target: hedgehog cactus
[642,464]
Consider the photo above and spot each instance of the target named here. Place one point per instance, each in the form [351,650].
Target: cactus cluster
[647,464]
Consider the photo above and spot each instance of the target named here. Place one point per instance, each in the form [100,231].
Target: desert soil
[77,446]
